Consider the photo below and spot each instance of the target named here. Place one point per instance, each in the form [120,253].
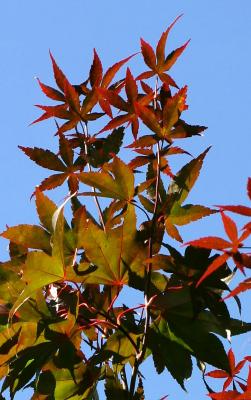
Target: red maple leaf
[131,116]
[234,370]
[230,248]
[158,63]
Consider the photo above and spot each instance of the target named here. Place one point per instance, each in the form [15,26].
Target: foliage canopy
[64,326]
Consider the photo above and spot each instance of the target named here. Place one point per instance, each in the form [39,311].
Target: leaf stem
[140,208]
[148,272]
[85,130]
[120,328]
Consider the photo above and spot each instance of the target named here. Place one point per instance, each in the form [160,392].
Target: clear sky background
[216,67]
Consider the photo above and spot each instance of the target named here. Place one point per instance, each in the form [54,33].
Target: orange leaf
[168,80]
[51,92]
[53,181]
[114,99]
[145,75]
[110,73]
[230,228]
[210,242]
[115,122]
[217,263]
[160,50]
[217,373]
[148,54]
[149,118]
[239,366]
[249,188]
[242,210]
[246,233]
[173,56]
[71,96]
[53,111]
[242,287]
[131,87]
[96,70]
[59,76]
[172,230]
[229,395]
[143,141]
[104,104]
[231,359]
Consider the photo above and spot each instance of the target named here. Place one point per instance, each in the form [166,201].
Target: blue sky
[216,67]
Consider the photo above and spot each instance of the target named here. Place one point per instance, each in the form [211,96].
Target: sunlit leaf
[230,227]
[53,181]
[59,76]
[39,270]
[188,213]
[114,251]
[50,92]
[172,230]
[218,262]
[163,63]
[119,186]
[160,50]
[242,210]
[31,236]
[211,242]
[228,395]
[242,287]
[148,54]
[249,188]
[45,209]
[173,56]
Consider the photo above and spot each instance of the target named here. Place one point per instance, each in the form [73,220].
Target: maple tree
[64,326]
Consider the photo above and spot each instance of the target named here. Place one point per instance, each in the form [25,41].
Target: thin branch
[124,378]
[120,328]
[148,271]
[140,208]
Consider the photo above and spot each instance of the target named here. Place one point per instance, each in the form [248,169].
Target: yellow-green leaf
[31,236]
[188,213]
[116,181]
[39,270]
[113,251]
[45,209]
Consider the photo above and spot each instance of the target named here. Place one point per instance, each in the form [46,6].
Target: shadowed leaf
[44,158]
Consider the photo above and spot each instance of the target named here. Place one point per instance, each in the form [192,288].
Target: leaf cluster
[64,323]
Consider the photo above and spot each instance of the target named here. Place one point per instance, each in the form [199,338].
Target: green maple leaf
[41,269]
[113,252]
[115,181]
